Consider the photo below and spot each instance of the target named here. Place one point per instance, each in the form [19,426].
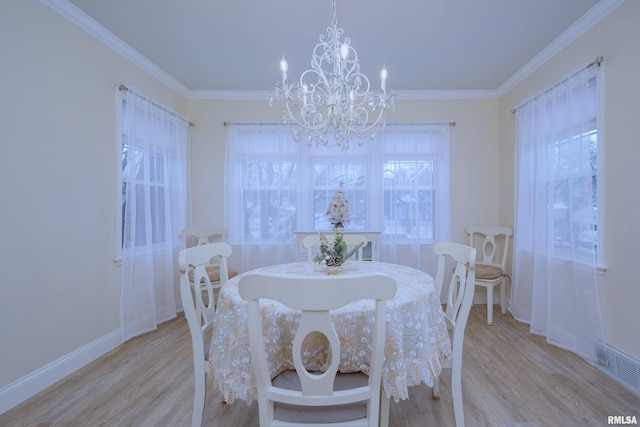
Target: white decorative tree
[338,210]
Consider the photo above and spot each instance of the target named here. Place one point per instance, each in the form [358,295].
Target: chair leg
[503,296]
[456,391]
[199,396]
[489,305]
[435,390]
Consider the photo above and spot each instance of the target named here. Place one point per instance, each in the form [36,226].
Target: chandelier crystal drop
[333,101]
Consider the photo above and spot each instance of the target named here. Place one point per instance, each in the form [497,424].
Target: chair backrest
[313,242]
[201,236]
[200,315]
[314,297]
[459,301]
[461,286]
[492,244]
[194,261]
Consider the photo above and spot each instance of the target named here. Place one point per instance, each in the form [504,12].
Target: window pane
[269,207]
[357,208]
[575,192]
[326,180]
[156,167]
[409,199]
[132,162]
[158,214]
[269,214]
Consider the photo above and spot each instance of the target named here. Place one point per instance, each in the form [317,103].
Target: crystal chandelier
[333,95]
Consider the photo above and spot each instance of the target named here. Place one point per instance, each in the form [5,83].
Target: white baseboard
[32,384]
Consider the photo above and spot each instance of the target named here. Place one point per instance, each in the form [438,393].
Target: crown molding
[91,26]
[231,95]
[588,20]
[444,94]
[261,95]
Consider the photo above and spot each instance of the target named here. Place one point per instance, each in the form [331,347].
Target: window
[573,165]
[557,234]
[153,191]
[561,124]
[397,184]
[153,153]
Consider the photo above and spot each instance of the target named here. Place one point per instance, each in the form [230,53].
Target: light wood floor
[510,378]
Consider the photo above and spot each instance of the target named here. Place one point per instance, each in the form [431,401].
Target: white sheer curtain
[261,195]
[397,184]
[416,193]
[556,242]
[154,156]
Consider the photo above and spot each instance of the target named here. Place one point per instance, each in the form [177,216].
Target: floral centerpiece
[334,254]
[338,210]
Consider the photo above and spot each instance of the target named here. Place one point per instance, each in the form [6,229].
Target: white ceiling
[428,45]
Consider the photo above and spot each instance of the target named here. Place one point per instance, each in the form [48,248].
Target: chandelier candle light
[336,97]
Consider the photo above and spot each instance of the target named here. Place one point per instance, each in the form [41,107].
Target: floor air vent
[622,368]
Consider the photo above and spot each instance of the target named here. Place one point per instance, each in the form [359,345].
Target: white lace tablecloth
[416,339]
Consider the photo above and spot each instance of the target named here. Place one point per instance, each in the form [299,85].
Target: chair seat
[320,414]
[213,272]
[487,272]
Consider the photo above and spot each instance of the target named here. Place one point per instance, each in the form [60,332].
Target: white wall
[59,285]
[617,38]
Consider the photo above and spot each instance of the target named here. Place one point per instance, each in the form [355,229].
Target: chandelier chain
[334,20]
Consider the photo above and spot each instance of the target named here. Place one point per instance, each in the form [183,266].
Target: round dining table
[416,333]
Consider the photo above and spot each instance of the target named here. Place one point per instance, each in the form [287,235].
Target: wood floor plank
[510,379]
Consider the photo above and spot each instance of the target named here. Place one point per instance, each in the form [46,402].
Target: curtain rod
[598,61]
[191,124]
[388,124]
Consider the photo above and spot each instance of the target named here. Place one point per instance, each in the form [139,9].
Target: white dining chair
[492,245]
[458,304]
[195,236]
[302,397]
[312,244]
[193,264]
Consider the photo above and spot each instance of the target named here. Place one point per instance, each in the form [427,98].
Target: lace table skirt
[416,338]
